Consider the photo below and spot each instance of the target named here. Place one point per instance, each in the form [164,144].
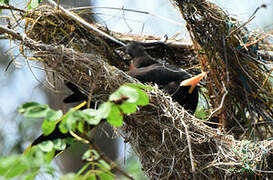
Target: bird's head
[140,58]
[135,49]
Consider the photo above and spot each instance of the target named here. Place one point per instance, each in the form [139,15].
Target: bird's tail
[76,96]
[56,134]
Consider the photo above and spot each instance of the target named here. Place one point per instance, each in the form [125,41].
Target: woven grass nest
[171,143]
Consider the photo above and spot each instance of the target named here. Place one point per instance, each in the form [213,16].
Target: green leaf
[106,176]
[69,140]
[25,107]
[103,110]
[91,116]
[38,156]
[69,122]
[128,108]
[54,115]
[4,2]
[62,127]
[91,153]
[82,169]
[81,126]
[70,176]
[32,175]
[92,177]
[130,92]
[17,169]
[86,155]
[35,3]
[127,91]
[78,114]
[29,153]
[46,146]
[49,156]
[115,96]
[201,114]
[138,86]
[48,127]
[37,111]
[115,117]
[143,98]
[105,165]
[6,163]
[95,154]
[89,112]
[59,144]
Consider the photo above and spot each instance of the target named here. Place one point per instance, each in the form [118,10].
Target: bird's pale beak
[193,81]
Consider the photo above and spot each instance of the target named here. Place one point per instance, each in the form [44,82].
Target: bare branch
[84,23]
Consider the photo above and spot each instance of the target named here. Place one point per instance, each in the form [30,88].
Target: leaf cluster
[123,101]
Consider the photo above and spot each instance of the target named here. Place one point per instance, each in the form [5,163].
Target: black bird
[176,81]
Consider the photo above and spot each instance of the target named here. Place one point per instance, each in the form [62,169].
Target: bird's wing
[159,74]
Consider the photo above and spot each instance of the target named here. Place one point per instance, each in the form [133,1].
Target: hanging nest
[234,58]
[170,143]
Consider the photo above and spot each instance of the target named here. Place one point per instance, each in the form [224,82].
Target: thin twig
[110,162]
[240,27]
[11,32]
[128,10]
[9,7]
[85,23]
[190,149]
[226,58]
[222,102]
[258,40]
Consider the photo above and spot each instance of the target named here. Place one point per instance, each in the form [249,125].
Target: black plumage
[168,77]
[145,69]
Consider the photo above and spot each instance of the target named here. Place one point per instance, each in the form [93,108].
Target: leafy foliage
[123,101]
[4,2]
[26,165]
[32,4]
